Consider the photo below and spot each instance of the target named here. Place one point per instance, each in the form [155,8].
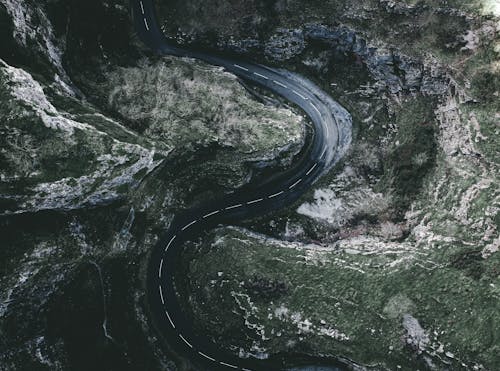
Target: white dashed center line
[240,67]
[300,95]
[233,207]
[294,184]
[210,214]
[207,357]
[146,24]
[258,74]
[188,225]
[280,84]
[254,201]
[322,154]
[311,169]
[276,194]
[170,242]
[169,319]
[142,7]
[227,364]
[316,108]
[159,270]
[184,340]
[161,295]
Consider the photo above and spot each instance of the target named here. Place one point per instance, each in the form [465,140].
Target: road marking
[312,168]
[322,154]
[258,74]
[159,270]
[240,67]
[280,84]
[210,214]
[300,95]
[184,340]
[161,295]
[170,242]
[276,194]
[188,225]
[169,319]
[294,184]
[233,207]
[208,357]
[146,23]
[254,201]
[227,364]
[142,7]
[316,108]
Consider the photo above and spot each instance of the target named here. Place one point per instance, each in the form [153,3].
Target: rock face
[285,44]
[54,162]
[395,252]
[100,144]
[391,261]
[187,107]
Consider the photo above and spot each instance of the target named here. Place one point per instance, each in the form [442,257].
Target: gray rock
[285,44]
[416,337]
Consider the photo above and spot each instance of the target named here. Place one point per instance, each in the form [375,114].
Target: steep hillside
[392,260]
[99,138]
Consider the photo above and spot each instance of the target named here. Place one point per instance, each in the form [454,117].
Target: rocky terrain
[389,262]
[98,141]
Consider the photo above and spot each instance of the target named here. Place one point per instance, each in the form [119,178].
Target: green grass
[413,151]
[362,305]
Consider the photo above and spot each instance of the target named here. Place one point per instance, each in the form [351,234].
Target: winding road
[330,140]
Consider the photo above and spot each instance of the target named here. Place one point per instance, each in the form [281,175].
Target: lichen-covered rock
[406,229]
[390,261]
[377,303]
[54,162]
[186,106]
[285,44]
[93,161]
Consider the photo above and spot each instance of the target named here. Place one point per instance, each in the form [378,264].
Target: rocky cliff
[392,260]
[389,262]
[99,138]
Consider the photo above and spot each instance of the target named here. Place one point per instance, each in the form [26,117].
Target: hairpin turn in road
[332,136]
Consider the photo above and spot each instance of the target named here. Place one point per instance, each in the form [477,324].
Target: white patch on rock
[333,333]
[249,310]
[29,91]
[64,87]
[472,41]
[491,248]
[71,193]
[32,25]
[281,312]
[306,326]
[416,336]
[123,237]
[337,208]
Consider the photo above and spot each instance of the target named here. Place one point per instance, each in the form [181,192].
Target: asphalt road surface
[331,138]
